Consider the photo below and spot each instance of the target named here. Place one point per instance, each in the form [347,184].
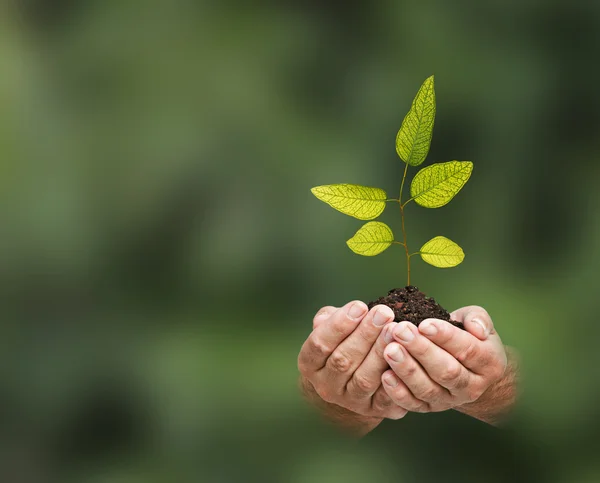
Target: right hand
[342,359]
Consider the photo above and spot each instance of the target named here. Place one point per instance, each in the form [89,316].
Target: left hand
[438,366]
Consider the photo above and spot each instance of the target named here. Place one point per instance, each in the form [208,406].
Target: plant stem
[403,229]
[402,185]
[405,245]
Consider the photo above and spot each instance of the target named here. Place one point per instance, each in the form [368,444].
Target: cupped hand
[342,360]
[438,366]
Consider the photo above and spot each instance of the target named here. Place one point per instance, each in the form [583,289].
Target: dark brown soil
[410,304]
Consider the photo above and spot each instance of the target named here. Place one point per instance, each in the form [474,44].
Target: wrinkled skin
[360,367]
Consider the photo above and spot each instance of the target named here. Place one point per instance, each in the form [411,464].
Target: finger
[440,366]
[382,405]
[367,378]
[400,394]
[476,320]
[323,314]
[355,348]
[467,349]
[413,375]
[328,335]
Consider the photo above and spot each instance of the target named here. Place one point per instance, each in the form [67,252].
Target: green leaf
[360,202]
[414,137]
[436,185]
[371,239]
[442,252]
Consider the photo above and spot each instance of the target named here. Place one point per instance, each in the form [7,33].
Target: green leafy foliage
[371,239]
[432,187]
[414,137]
[442,252]
[436,185]
[361,202]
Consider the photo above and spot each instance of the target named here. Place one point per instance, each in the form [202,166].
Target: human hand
[342,362]
[437,366]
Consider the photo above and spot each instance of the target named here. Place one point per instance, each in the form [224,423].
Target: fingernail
[428,328]
[356,310]
[484,330]
[395,353]
[404,333]
[390,380]
[379,318]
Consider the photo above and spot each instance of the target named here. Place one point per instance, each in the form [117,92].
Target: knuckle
[430,394]
[403,398]
[339,362]
[410,370]
[419,407]
[423,349]
[318,347]
[382,401]
[451,374]
[365,334]
[315,350]
[304,360]
[399,394]
[469,353]
[342,326]
[363,384]
[321,314]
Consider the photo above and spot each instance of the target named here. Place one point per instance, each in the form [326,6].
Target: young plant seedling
[432,187]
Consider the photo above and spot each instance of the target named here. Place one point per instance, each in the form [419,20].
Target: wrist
[349,421]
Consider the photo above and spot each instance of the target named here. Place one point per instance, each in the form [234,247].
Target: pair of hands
[374,368]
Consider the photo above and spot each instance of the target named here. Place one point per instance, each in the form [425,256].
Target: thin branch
[403,229]
[403,180]
[405,245]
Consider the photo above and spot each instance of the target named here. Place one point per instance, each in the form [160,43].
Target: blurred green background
[161,255]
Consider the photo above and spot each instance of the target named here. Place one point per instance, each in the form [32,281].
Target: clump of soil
[410,304]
